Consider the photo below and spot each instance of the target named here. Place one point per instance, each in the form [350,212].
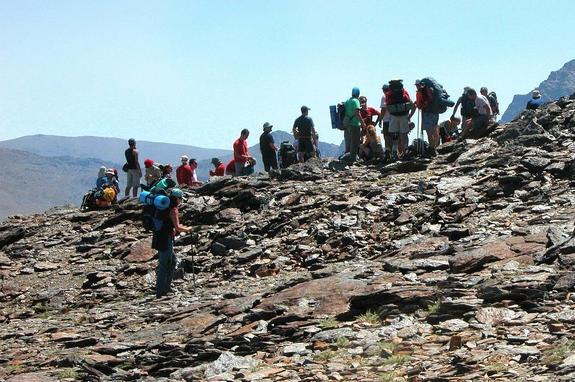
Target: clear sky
[197,72]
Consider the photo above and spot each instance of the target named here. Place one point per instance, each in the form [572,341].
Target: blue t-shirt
[101,181]
[534,103]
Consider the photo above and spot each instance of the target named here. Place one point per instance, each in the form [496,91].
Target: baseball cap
[304,107]
[268,125]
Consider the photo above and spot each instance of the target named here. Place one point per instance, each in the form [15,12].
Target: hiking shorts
[398,124]
[429,121]
[305,145]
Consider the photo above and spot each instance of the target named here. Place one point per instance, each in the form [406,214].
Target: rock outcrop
[457,268]
[559,84]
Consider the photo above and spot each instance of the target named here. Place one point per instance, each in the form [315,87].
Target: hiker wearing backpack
[535,100]
[424,99]
[383,122]
[493,103]
[482,117]
[219,168]
[241,155]
[468,110]
[353,124]
[153,172]
[132,168]
[400,108]
[268,148]
[303,131]
[163,242]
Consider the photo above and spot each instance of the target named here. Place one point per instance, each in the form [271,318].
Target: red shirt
[231,167]
[367,114]
[219,171]
[240,150]
[184,174]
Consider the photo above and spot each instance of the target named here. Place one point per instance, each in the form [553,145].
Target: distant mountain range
[560,83]
[43,171]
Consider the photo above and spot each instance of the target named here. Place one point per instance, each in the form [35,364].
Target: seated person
[219,168]
[371,147]
[448,129]
[231,168]
[153,172]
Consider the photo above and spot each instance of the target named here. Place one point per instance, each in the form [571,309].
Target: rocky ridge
[453,269]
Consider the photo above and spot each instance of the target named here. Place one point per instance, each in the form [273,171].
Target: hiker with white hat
[535,100]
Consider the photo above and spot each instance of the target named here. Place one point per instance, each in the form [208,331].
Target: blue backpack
[441,100]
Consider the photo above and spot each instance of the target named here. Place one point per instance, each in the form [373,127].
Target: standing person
[241,154]
[383,122]
[429,119]
[153,172]
[481,119]
[134,172]
[219,168]
[163,242]
[493,103]
[367,113]
[353,124]
[193,166]
[399,105]
[304,132]
[184,172]
[535,100]
[268,148]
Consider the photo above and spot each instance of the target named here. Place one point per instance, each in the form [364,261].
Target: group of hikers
[356,119]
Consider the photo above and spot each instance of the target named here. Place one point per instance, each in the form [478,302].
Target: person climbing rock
[163,242]
[132,167]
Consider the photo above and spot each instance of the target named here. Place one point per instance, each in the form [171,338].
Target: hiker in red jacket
[241,154]
[184,173]
[220,168]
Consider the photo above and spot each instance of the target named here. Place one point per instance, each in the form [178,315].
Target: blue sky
[197,72]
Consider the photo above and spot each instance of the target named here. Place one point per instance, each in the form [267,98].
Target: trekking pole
[419,133]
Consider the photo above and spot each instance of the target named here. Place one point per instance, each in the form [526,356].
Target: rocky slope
[456,269]
[560,83]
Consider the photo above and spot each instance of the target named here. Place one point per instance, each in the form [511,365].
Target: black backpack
[152,218]
[492,97]
[287,154]
[441,100]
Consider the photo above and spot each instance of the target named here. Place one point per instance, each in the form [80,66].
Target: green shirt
[351,105]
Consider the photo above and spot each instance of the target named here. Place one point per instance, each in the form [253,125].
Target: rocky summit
[459,268]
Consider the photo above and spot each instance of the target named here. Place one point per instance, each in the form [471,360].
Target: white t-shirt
[386,116]
[480,103]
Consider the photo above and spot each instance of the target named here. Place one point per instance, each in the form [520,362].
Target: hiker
[153,172]
[535,100]
[166,170]
[193,166]
[108,190]
[493,103]
[400,108]
[219,168]
[132,168]
[353,124]
[468,110]
[371,148]
[482,116]
[231,168]
[101,179]
[367,113]
[184,172]
[241,154]
[448,129]
[163,242]
[383,122]
[268,148]
[304,132]
[429,119]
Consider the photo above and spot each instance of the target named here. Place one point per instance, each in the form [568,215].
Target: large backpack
[492,97]
[397,99]
[288,155]
[441,100]
[152,216]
